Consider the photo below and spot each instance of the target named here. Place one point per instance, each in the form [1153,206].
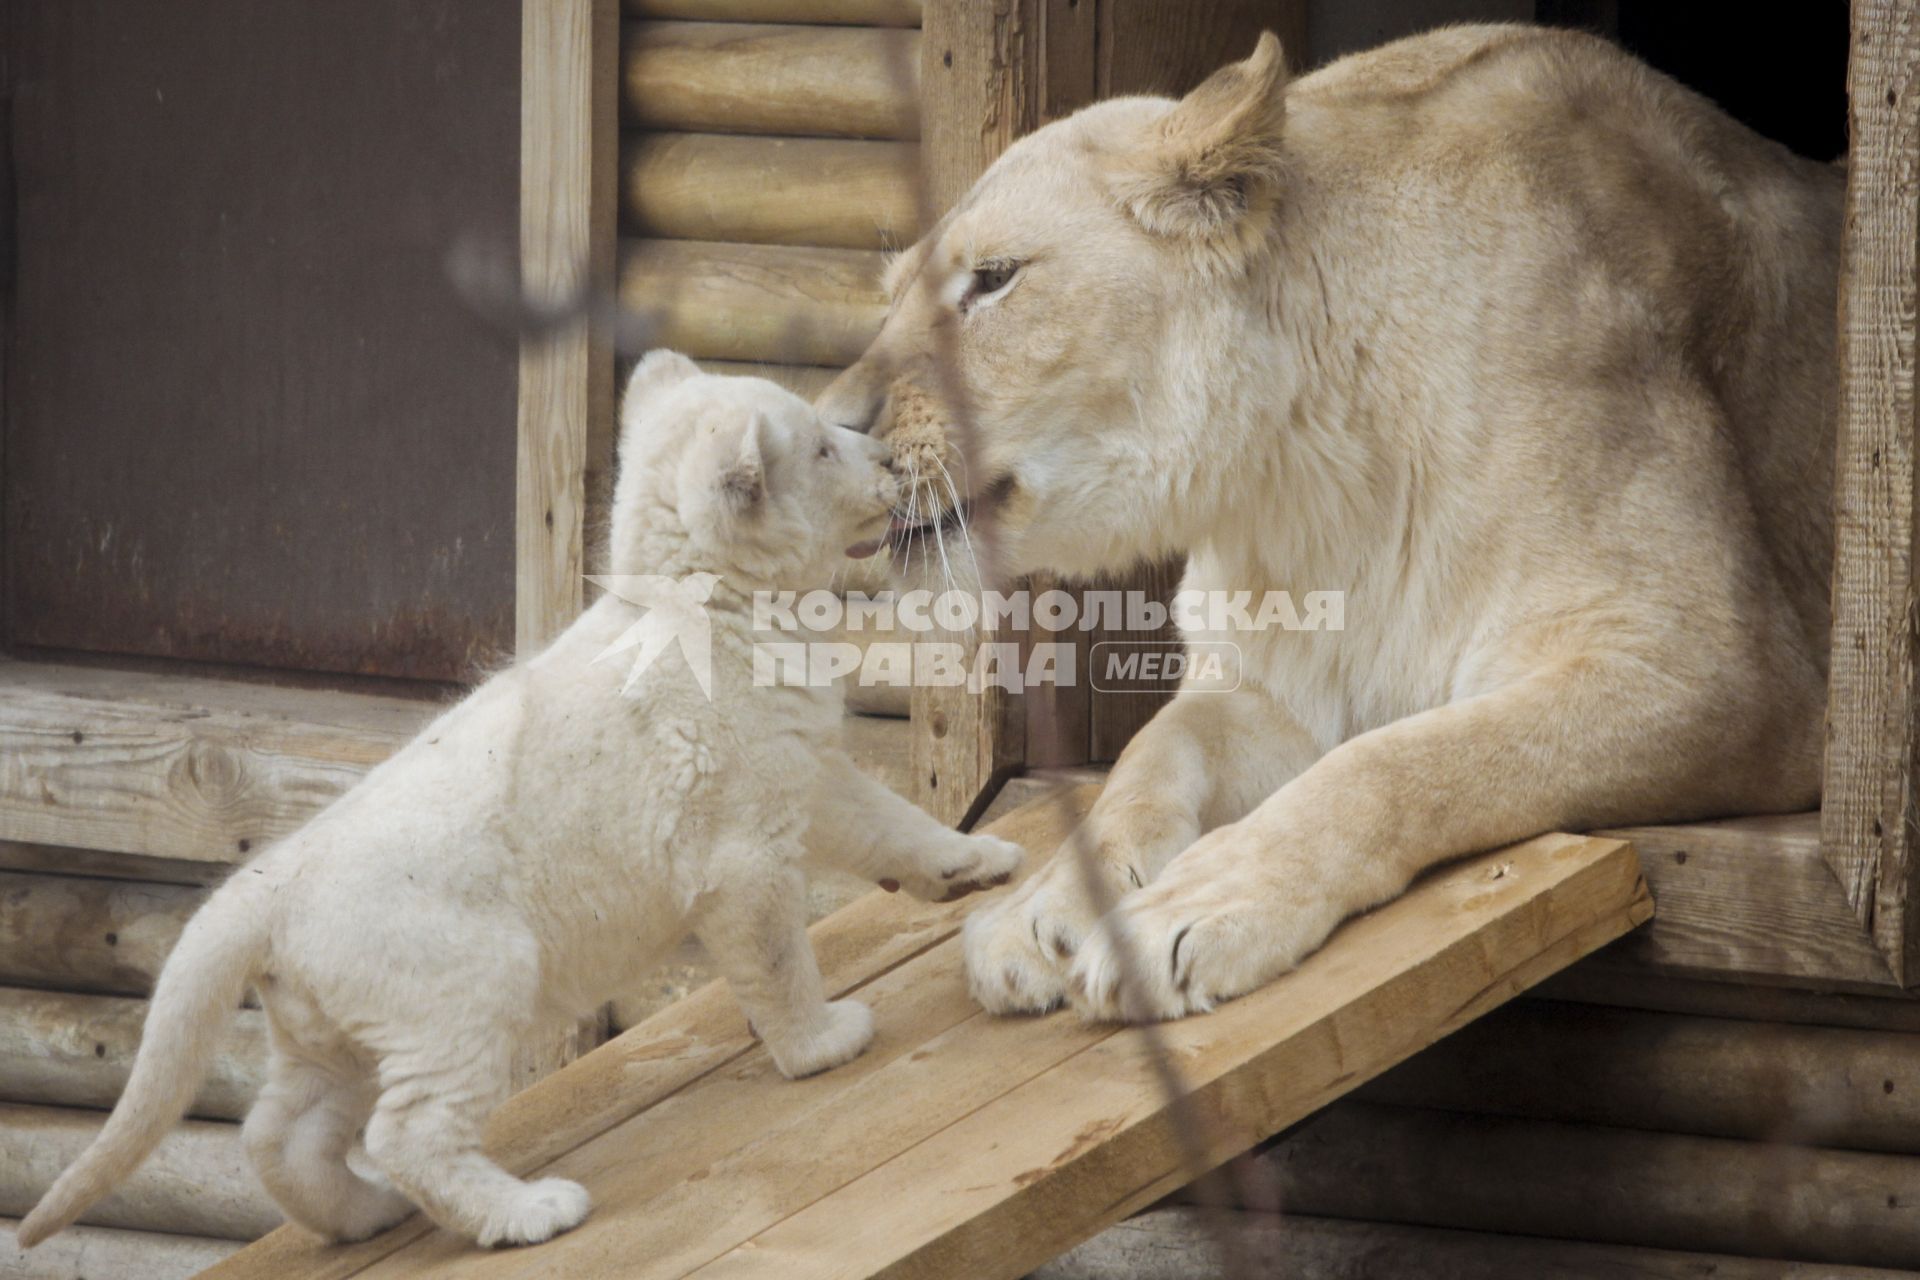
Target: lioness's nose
[854,399]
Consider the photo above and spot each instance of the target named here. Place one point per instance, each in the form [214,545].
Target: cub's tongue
[861,550]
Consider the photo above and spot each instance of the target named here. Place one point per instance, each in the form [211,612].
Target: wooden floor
[966,1145]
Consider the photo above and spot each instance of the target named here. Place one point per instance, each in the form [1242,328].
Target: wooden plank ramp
[965,1145]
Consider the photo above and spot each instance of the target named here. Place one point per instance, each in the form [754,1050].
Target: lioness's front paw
[843,1031]
[1017,950]
[1176,949]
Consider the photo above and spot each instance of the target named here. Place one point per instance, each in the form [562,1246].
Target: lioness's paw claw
[1017,950]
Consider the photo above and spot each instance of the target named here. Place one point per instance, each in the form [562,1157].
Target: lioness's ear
[743,481]
[1216,157]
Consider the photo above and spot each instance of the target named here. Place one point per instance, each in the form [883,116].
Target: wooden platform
[964,1145]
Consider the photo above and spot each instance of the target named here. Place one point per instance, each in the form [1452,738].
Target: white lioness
[545,842]
[1521,345]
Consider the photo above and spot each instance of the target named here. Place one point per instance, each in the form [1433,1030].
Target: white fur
[1519,344]
[542,844]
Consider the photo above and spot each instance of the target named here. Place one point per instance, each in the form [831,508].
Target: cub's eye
[826,450]
[992,277]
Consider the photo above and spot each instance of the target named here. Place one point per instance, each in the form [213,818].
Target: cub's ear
[658,372]
[743,481]
[1216,159]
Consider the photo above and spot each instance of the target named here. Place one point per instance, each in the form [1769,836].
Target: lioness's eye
[992,277]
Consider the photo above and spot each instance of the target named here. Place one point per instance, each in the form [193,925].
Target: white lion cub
[543,843]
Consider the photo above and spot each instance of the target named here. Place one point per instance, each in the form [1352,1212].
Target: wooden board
[843,82]
[846,193]
[962,1144]
[180,766]
[1183,1243]
[1868,826]
[252,421]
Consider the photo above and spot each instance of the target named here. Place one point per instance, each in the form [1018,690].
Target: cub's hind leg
[298,1135]
[436,1094]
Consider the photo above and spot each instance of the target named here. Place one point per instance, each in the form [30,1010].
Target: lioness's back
[1616,218]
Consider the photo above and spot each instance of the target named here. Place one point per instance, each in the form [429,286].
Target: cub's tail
[219,952]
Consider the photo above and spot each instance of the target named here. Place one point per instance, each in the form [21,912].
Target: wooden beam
[963,1144]
[1591,1182]
[779,304]
[1871,818]
[180,766]
[859,13]
[196,1183]
[102,1253]
[838,192]
[1181,1243]
[61,1049]
[719,77]
[569,147]
[982,78]
[1752,898]
[1857,1090]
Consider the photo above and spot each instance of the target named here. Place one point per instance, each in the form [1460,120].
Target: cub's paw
[843,1031]
[987,862]
[537,1211]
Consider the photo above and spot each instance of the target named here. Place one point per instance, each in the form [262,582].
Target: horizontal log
[751,302]
[1613,1186]
[102,1253]
[1629,989]
[1812,1086]
[62,1049]
[845,193]
[719,77]
[180,766]
[865,13]
[1179,1244]
[196,1183]
[76,933]
[68,861]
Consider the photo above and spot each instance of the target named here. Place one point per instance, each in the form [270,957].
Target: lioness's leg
[1206,758]
[755,928]
[861,826]
[1585,741]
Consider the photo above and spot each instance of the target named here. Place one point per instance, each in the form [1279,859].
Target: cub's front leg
[754,925]
[862,827]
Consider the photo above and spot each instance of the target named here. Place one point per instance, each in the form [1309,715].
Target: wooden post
[980,77]
[1868,815]
[569,161]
